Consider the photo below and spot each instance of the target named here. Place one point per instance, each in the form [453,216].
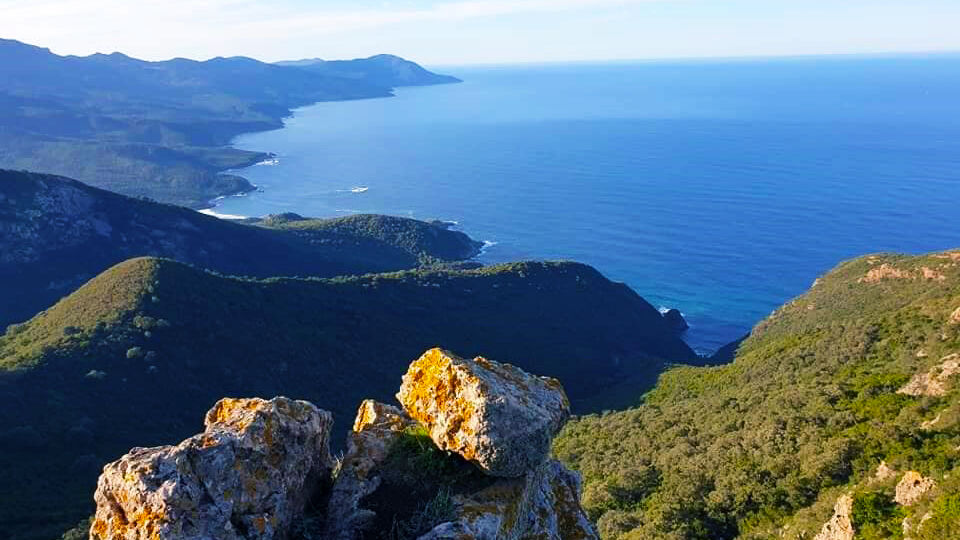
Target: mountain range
[382,69]
[162,129]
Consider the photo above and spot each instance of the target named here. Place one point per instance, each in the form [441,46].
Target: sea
[722,188]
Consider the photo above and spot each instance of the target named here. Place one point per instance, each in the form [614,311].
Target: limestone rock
[884,472]
[545,504]
[935,381]
[955,317]
[929,424]
[247,476]
[376,428]
[495,415]
[884,272]
[840,526]
[912,487]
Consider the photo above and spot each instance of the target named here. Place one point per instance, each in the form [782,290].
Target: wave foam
[487,244]
[211,212]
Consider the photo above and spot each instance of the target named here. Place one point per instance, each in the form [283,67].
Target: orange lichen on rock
[225,412]
[436,386]
[256,462]
[376,428]
[496,415]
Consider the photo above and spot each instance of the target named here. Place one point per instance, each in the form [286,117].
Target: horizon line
[659,59]
[498,63]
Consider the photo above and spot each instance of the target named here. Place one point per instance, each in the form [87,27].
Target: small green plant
[418,452]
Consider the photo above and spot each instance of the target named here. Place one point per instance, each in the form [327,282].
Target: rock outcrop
[884,472]
[912,487]
[494,415]
[248,475]
[376,429]
[840,526]
[675,320]
[251,472]
[955,316]
[543,504]
[936,381]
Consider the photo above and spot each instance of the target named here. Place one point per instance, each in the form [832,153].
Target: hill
[815,400]
[56,233]
[382,69]
[154,129]
[137,354]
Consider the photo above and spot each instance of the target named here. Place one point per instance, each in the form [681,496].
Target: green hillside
[56,233]
[762,448]
[136,355]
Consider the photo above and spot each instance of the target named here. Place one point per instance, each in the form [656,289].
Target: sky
[461,32]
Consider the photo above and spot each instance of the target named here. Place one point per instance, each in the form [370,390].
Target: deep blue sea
[722,188]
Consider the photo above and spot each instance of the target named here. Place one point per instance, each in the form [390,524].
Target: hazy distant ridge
[161,129]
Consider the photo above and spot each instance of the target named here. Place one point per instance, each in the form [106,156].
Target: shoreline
[282,124]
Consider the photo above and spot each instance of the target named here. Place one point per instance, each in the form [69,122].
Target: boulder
[544,504]
[496,416]
[912,487]
[375,429]
[955,316]
[247,476]
[840,526]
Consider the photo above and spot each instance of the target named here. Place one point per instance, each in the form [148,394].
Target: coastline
[281,123]
[260,157]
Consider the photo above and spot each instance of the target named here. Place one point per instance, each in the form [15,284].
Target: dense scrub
[138,353]
[56,233]
[807,411]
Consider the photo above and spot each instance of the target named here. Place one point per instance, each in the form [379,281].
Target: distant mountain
[155,129]
[382,69]
[56,233]
[77,381]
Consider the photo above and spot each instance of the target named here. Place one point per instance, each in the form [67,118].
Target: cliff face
[262,469]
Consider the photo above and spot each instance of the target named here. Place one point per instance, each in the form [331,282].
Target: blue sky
[441,32]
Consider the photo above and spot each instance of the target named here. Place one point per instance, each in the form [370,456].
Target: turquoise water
[721,188]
